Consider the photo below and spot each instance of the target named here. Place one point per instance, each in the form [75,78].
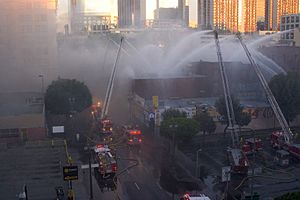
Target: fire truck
[106,126]
[107,164]
[279,139]
[249,146]
[194,197]
[133,135]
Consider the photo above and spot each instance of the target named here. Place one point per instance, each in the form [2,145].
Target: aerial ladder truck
[238,161]
[105,122]
[280,139]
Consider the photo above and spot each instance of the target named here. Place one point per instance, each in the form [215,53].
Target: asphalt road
[141,181]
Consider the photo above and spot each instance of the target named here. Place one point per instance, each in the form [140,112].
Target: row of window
[290,19]
[288,27]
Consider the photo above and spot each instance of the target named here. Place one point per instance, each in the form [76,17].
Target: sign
[87,166]
[70,173]
[155,101]
[58,129]
[151,115]
[226,174]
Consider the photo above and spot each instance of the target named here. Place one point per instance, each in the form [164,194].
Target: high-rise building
[260,10]
[274,9]
[131,13]
[205,13]
[183,12]
[28,37]
[235,15]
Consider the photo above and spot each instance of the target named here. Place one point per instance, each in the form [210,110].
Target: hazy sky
[111,6]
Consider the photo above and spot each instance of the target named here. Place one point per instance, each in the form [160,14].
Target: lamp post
[197,162]
[173,127]
[42,78]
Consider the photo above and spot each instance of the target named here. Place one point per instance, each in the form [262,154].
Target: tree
[242,118]
[173,113]
[206,122]
[286,90]
[185,130]
[66,95]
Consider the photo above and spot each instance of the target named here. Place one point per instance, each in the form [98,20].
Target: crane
[286,133]
[238,160]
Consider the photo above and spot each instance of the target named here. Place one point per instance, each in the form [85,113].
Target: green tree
[286,90]
[206,122]
[242,118]
[186,128]
[66,95]
[173,113]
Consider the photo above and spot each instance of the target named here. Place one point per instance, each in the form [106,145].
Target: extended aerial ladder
[287,133]
[238,160]
[111,84]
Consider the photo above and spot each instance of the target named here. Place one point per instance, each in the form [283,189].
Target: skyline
[110,6]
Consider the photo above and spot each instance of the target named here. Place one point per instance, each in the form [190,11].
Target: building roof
[21,110]
[165,88]
[12,104]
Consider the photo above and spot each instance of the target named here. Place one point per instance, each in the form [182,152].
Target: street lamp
[42,78]
[173,127]
[197,162]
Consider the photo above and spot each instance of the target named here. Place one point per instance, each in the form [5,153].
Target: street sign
[87,166]
[151,115]
[58,129]
[70,173]
[155,101]
[226,174]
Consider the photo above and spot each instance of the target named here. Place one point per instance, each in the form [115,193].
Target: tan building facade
[234,16]
[277,8]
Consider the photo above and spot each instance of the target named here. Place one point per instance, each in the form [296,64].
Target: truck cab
[133,136]
[106,126]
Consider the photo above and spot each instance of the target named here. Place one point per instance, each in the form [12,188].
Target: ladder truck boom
[288,135]
[111,84]
[227,96]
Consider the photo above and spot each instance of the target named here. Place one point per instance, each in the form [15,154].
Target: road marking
[159,185]
[136,185]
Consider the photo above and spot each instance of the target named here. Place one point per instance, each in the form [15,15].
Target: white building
[289,22]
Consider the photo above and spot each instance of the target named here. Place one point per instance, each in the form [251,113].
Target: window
[297,18]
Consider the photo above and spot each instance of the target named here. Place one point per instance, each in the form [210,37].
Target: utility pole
[90,174]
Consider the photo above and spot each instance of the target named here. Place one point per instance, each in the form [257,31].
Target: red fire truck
[133,135]
[106,161]
[106,126]
[249,147]
[238,161]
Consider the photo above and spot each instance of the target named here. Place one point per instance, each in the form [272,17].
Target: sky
[111,6]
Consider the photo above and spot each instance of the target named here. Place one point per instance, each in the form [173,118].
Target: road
[138,182]
[141,181]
